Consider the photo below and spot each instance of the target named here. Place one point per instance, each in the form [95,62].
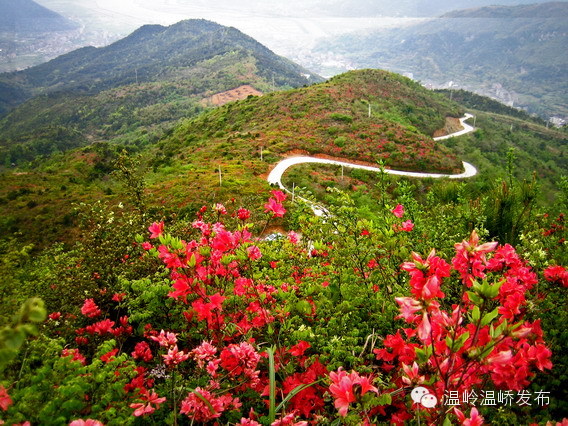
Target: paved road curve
[275,176]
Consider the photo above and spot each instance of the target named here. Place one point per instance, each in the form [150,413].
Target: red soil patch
[452,125]
[241,92]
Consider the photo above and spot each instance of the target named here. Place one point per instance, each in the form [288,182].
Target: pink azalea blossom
[406,226]
[253,253]
[204,353]
[156,229]
[90,309]
[474,420]
[141,409]
[175,356]
[398,211]
[293,237]
[275,207]
[165,339]
[342,388]
[88,422]
[279,195]
[5,400]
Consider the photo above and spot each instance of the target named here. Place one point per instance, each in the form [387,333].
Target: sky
[284,26]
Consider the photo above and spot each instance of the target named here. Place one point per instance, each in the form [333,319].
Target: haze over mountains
[514,54]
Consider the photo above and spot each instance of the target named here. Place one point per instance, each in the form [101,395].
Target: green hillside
[147,55]
[332,118]
[133,89]
[104,245]
[329,118]
[181,170]
[515,54]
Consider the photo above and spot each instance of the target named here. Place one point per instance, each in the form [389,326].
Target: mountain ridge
[141,56]
[27,16]
[133,89]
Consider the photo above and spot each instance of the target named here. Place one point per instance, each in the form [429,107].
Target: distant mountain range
[515,54]
[31,34]
[153,77]
[26,16]
[414,8]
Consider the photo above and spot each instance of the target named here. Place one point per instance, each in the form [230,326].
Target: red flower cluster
[460,352]
[90,309]
[347,388]
[557,273]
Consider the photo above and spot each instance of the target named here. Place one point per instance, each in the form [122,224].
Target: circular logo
[422,396]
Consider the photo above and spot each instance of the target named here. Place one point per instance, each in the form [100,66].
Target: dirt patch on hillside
[452,125]
[241,92]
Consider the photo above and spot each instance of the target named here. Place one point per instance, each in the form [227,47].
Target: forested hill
[152,53]
[26,16]
[136,88]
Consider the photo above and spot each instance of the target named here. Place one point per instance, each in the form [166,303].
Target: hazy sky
[284,26]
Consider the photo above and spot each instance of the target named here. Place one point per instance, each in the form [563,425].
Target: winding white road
[275,176]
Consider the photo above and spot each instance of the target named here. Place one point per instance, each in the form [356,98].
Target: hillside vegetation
[152,287]
[134,89]
[332,118]
[151,53]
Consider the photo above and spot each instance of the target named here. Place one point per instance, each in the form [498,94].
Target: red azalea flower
[156,229]
[5,400]
[275,207]
[142,351]
[106,358]
[398,211]
[90,309]
[299,348]
[54,315]
[243,214]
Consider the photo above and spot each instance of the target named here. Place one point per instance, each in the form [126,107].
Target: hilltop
[329,118]
[332,118]
[133,89]
[514,54]
[151,53]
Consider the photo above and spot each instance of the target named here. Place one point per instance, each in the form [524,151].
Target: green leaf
[475,314]
[293,393]
[272,386]
[304,307]
[489,317]
[384,399]
[475,299]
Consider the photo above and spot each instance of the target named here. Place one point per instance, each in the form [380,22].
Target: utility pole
[136,72]
[220,176]
[293,191]
[261,153]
